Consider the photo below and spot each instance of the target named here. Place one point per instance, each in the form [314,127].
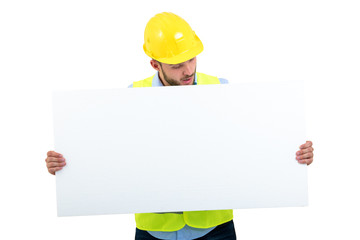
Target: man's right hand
[54,162]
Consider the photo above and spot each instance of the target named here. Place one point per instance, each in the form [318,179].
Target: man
[173,46]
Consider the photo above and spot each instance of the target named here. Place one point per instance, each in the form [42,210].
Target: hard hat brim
[185,56]
[182,57]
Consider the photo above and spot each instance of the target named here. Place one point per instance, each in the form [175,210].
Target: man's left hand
[305,154]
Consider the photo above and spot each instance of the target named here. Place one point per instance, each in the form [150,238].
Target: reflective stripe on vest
[168,222]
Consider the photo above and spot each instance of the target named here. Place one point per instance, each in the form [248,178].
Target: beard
[174,82]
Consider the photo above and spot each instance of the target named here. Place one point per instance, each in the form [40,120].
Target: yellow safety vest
[168,222]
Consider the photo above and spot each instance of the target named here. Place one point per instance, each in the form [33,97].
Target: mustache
[189,76]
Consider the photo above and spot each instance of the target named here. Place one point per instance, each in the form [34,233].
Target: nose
[187,69]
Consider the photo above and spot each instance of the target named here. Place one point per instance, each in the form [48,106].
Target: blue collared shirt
[186,232]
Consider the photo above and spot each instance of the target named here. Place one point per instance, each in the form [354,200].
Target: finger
[54,164]
[306,161]
[302,161]
[305,150]
[53,170]
[53,159]
[53,154]
[305,156]
[306,145]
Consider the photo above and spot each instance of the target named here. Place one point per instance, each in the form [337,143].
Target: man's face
[176,74]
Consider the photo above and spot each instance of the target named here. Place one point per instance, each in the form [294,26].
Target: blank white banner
[167,149]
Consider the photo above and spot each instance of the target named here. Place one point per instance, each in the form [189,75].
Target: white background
[49,45]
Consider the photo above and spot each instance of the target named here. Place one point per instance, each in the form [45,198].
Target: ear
[155,64]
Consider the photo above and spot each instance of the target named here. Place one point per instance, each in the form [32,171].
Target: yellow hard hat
[169,39]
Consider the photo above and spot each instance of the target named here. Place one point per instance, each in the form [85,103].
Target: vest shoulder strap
[147,82]
[203,79]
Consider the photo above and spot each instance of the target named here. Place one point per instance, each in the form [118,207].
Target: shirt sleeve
[223,81]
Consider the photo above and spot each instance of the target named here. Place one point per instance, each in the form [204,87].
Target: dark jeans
[224,231]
